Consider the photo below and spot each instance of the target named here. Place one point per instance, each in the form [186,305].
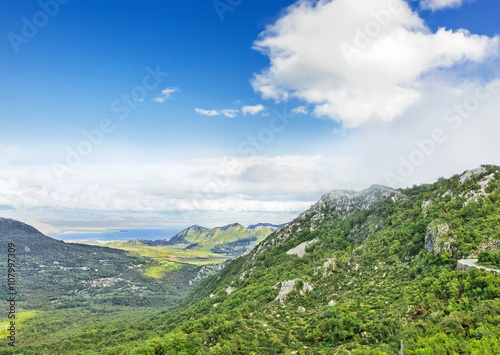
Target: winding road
[466,264]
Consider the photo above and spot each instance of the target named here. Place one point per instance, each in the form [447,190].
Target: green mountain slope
[51,273]
[370,272]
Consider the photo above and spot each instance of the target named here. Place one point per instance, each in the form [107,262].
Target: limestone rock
[300,250]
[469,174]
[425,207]
[476,195]
[286,288]
[491,245]
[437,240]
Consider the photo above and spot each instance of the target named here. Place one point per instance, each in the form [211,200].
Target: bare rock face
[344,203]
[288,286]
[491,245]
[206,271]
[476,195]
[437,240]
[336,204]
[300,250]
[425,207]
[469,174]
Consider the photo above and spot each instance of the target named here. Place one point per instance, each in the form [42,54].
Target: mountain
[50,271]
[365,272]
[359,272]
[229,241]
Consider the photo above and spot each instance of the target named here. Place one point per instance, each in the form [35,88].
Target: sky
[135,113]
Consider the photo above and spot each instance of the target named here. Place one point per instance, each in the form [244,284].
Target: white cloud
[360,61]
[273,185]
[167,94]
[231,113]
[207,112]
[222,190]
[300,110]
[253,110]
[405,152]
[440,4]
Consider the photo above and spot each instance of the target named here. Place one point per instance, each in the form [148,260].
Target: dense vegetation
[377,277]
[490,258]
[53,275]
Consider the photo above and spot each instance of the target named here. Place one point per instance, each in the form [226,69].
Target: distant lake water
[113,235]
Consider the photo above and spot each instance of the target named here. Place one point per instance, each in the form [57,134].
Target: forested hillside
[370,272]
[51,273]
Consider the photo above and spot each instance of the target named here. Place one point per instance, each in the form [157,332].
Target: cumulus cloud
[440,4]
[258,184]
[166,94]
[231,113]
[253,110]
[207,112]
[359,61]
[300,110]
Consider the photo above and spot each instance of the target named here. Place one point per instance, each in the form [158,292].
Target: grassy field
[195,257]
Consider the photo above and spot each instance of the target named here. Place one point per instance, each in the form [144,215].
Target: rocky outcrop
[336,204]
[491,245]
[300,250]
[205,271]
[470,174]
[437,240]
[344,203]
[288,286]
[425,207]
[330,263]
[475,195]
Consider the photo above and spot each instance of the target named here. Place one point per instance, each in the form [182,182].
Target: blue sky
[234,72]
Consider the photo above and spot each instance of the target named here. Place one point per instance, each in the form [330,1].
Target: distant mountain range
[231,240]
